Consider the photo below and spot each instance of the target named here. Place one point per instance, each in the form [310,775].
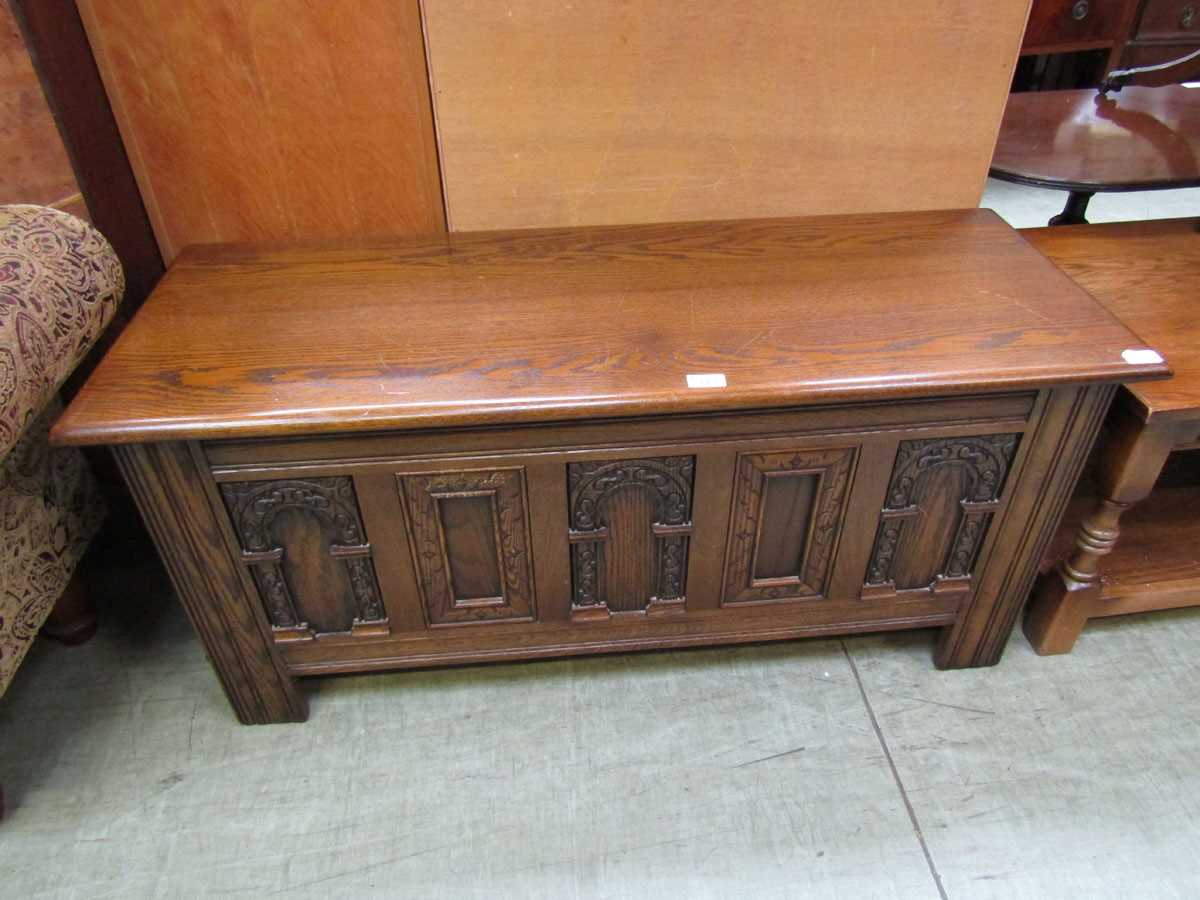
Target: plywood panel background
[34,167]
[265,119]
[553,113]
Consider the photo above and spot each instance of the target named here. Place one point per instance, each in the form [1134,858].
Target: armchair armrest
[60,283]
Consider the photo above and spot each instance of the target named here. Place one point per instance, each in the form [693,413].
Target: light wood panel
[556,114]
[34,167]
[262,119]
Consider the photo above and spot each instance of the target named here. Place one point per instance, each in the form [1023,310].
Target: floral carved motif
[276,597]
[668,478]
[583,565]
[671,567]
[255,504]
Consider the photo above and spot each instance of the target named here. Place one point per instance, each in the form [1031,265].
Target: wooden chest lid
[545,325]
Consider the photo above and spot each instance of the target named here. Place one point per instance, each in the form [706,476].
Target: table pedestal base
[1074,213]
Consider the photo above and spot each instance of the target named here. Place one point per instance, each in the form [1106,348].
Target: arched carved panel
[940,501]
[306,547]
[629,525]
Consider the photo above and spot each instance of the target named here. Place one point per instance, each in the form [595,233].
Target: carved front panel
[469,536]
[787,513]
[629,525]
[941,498]
[304,542]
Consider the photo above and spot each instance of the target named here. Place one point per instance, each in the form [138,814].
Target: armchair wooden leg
[73,619]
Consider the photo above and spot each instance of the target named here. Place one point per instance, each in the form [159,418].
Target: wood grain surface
[250,120]
[556,114]
[55,36]
[1136,139]
[1147,274]
[505,328]
[35,165]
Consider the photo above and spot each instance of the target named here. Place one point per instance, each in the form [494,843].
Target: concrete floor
[823,768]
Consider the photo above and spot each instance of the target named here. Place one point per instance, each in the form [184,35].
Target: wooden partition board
[35,165]
[272,119]
[286,119]
[554,114]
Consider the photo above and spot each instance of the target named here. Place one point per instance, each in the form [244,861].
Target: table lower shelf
[1156,562]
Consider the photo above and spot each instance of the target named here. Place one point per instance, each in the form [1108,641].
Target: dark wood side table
[1148,274]
[476,447]
[1139,139]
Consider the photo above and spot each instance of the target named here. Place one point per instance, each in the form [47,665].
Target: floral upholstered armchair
[60,283]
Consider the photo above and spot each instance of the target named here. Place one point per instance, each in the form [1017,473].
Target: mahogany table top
[1148,274]
[507,328]
[1139,138]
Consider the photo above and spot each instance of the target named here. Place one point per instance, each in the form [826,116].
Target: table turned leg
[175,495]
[1066,597]
[1075,211]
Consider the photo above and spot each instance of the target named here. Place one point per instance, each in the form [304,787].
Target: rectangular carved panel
[941,498]
[629,525]
[787,513]
[469,536]
[304,541]
[469,531]
[787,504]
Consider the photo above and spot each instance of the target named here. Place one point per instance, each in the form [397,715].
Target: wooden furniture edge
[173,493]
[1093,187]
[1069,426]
[66,433]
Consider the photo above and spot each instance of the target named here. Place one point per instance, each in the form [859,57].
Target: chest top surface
[549,325]
[1148,273]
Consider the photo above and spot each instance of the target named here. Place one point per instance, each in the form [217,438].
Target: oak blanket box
[472,447]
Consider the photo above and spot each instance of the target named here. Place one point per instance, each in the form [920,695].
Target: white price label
[1141,357]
